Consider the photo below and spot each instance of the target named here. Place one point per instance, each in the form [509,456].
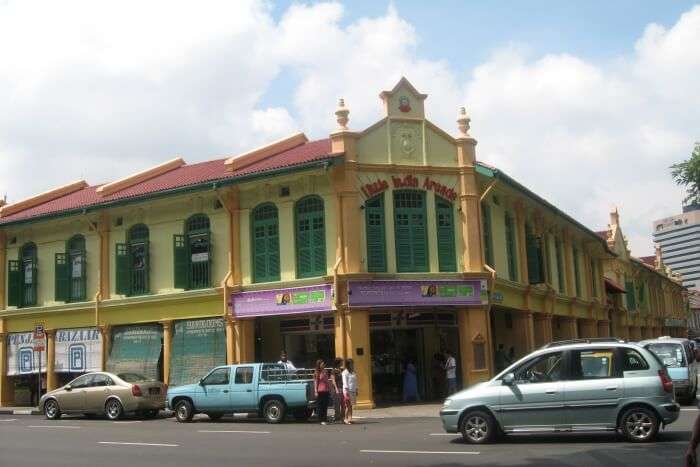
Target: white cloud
[98,90]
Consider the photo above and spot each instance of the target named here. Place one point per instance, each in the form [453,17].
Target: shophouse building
[386,245]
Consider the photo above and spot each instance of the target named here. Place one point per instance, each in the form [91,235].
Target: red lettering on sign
[439,188]
[408,181]
[372,189]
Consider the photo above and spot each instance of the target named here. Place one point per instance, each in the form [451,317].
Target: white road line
[689,409]
[139,444]
[445,434]
[235,431]
[54,426]
[378,451]
[8,419]
[126,423]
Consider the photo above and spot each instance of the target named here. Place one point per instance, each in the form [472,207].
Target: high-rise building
[679,239]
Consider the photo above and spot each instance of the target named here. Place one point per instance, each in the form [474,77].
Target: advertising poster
[78,350]
[21,357]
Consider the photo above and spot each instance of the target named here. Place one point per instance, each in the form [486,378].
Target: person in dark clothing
[338,402]
[322,389]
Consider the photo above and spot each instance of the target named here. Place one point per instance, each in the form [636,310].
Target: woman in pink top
[322,389]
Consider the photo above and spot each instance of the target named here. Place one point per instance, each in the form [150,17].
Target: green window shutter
[375,228]
[577,273]
[594,278]
[318,244]
[488,234]
[303,237]
[534,256]
[629,292]
[311,237]
[546,259]
[14,283]
[560,265]
[147,270]
[273,251]
[182,262]
[62,277]
[123,276]
[410,231]
[510,248]
[265,243]
[446,236]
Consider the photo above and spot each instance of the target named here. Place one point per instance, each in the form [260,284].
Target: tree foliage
[687,173]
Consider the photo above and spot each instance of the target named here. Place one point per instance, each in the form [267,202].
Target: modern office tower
[679,239]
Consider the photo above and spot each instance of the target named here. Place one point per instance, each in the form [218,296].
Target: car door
[214,390]
[534,401]
[593,388]
[96,393]
[73,400]
[243,396]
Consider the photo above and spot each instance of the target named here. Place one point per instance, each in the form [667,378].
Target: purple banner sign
[274,302]
[417,293]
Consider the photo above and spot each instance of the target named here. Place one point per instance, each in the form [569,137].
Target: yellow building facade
[391,245]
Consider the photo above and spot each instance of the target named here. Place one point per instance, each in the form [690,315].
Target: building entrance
[305,338]
[408,354]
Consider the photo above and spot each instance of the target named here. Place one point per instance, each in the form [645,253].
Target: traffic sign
[38,331]
[39,346]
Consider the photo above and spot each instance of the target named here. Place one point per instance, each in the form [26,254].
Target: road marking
[8,419]
[445,434]
[378,451]
[235,431]
[688,409]
[54,426]
[133,421]
[139,444]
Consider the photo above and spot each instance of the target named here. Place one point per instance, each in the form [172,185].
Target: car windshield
[670,354]
[132,377]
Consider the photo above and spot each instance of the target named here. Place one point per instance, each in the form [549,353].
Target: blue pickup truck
[268,389]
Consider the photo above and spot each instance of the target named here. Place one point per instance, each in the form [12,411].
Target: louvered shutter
[147,267]
[62,278]
[404,253]
[304,259]
[374,225]
[488,235]
[510,249]
[445,236]
[14,283]
[273,250]
[182,262]
[123,279]
[534,256]
[629,289]
[260,244]
[318,244]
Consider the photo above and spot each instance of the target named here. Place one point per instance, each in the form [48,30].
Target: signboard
[674,323]
[38,331]
[22,359]
[198,346]
[417,293]
[274,302]
[136,349]
[78,350]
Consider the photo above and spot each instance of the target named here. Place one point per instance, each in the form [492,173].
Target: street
[77,441]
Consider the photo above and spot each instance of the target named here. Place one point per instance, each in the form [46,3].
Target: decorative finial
[341,114]
[463,122]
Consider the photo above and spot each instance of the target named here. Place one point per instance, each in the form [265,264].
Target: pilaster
[106,331]
[357,343]
[103,229]
[167,346]
[51,382]
[475,353]
[3,268]
[520,219]
[244,340]
[6,394]
[230,341]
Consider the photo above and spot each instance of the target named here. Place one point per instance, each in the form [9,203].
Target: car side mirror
[201,382]
[67,387]
[509,379]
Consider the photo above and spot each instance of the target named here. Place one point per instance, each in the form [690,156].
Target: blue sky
[586,103]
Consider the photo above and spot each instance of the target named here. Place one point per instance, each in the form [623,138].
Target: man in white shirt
[284,361]
[450,373]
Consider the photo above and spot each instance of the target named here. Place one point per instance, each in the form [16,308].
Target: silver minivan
[577,385]
[678,356]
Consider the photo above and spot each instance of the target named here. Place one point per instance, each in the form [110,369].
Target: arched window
[375,233]
[192,253]
[132,262]
[310,237]
[70,271]
[265,243]
[28,274]
[444,215]
[410,231]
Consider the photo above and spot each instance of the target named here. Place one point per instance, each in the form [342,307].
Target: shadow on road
[580,438]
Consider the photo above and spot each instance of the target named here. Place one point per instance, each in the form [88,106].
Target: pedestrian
[501,358]
[285,361]
[511,355]
[350,389]
[691,458]
[438,375]
[338,396]
[410,382]
[322,388]
[450,373]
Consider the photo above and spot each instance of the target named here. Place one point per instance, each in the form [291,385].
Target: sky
[585,103]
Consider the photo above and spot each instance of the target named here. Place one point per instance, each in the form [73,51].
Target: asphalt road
[76,441]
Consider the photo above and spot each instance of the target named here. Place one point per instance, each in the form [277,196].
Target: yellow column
[470,217]
[51,360]
[6,395]
[569,265]
[521,246]
[543,329]
[167,346]
[475,348]
[230,342]
[358,348]
[106,332]
[604,328]
[525,330]
[103,230]
[245,340]
[587,327]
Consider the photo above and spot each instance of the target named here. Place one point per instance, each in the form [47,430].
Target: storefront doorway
[305,338]
[411,340]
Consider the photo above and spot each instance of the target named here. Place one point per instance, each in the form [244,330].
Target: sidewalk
[397,411]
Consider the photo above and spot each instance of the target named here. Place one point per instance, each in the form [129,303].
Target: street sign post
[39,345]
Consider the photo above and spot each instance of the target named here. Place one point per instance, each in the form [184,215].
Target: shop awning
[612,287]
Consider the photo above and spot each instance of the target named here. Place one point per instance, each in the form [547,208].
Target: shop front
[23,364]
[298,320]
[77,351]
[137,349]
[412,325]
[198,345]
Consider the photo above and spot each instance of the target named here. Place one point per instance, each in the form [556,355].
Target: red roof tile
[187,175]
[602,234]
[648,260]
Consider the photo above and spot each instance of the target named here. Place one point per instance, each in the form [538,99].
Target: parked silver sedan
[580,385]
[106,393]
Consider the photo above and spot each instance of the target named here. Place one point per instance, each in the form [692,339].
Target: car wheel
[184,411]
[114,409]
[302,415]
[215,416]
[639,425]
[273,411]
[51,409]
[478,427]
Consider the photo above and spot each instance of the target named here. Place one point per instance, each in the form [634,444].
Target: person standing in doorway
[410,382]
[285,361]
[349,389]
[501,358]
[450,373]
[322,389]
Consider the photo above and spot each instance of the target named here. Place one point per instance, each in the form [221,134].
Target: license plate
[153,391]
